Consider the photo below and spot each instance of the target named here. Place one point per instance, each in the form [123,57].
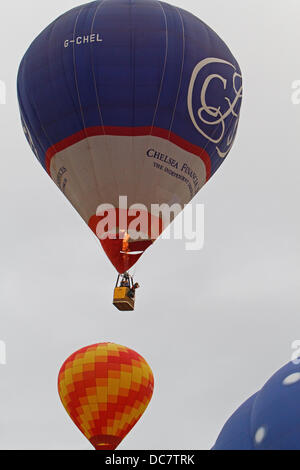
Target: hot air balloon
[105,389]
[130,106]
[270,419]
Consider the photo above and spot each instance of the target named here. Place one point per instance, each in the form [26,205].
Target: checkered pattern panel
[105,388]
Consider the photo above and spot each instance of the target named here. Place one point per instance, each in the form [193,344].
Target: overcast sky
[213,324]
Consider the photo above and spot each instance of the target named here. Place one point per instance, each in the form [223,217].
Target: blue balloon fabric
[270,419]
[126,64]
[236,434]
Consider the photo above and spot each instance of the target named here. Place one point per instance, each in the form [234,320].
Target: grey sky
[214,324]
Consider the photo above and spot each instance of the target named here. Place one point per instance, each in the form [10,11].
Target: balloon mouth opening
[131,253]
[103,442]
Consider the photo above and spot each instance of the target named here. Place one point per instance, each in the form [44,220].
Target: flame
[125,249]
[125,245]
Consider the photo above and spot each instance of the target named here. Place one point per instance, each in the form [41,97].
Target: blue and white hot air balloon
[270,419]
[133,98]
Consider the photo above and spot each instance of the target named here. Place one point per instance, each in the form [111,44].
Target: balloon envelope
[270,419]
[129,98]
[105,388]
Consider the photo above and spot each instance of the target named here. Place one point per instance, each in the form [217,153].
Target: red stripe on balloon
[130,132]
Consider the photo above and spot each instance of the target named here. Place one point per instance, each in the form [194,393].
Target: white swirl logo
[210,115]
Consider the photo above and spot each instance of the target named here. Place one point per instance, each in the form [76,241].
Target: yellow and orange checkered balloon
[105,388]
